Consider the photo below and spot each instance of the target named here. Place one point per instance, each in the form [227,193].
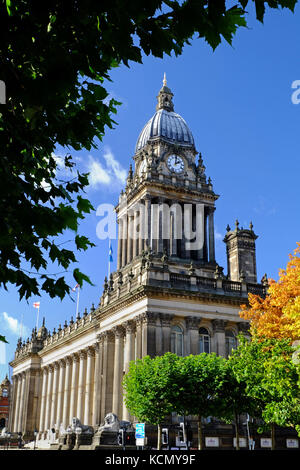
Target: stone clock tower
[167,294]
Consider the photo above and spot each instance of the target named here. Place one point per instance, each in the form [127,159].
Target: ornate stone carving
[219,325]
[192,323]
[150,318]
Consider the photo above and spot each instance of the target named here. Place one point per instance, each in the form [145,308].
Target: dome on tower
[165,123]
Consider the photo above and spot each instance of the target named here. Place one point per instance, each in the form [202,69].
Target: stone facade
[168,293]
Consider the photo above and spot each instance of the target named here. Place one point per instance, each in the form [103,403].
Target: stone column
[107,380]
[118,369]
[192,327]
[154,217]
[128,356]
[135,234]
[74,388]
[183,240]
[219,337]
[88,398]
[141,227]
[160,247]
[97,388]
[211,235]
[43,399]
[49,397]
[67,386]
[81,385]
[60,394]
[173,241]
[120,235]
[147,222]
[205,247]
[54,395]
[124,239]
[129,238]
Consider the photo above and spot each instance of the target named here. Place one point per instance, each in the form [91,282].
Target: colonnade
[162,224]
[88,383]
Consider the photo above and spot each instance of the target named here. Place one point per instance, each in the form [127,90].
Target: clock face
[142,167]
[175,163]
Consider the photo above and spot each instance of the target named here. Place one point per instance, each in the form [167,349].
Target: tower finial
[165,80]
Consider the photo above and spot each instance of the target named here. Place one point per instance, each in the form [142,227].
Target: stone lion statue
[111,423]
[76,426]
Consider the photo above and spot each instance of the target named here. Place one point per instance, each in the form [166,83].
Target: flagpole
[108,258]
[77,301]
[21,326]
[37,318]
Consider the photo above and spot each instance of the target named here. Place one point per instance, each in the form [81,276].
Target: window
[5,392]
[230,342]
[204,341]
[177,340]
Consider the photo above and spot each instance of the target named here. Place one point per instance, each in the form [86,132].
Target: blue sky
[237,103]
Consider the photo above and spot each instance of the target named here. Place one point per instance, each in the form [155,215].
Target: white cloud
[13,325]
[97,174]
[111,174]
[115,166]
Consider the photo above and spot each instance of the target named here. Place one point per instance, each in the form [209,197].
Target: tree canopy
[270,378]
[54,58]
[278,314]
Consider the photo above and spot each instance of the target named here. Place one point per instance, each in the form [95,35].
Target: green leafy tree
[235,401]
[54,58]
[271,379]
[200,378]
[151,389]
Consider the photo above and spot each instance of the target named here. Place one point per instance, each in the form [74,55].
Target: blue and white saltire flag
[110,257]
[110,252]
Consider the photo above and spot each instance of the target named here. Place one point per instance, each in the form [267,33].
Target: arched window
[177,340]
[230,342]
[4,392]
[2,423]
[204,341]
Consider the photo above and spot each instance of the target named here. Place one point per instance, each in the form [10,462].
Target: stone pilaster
[219,337]
[166,320]
[149,334]
[192,328]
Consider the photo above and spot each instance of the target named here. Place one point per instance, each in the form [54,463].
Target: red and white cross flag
[37,305]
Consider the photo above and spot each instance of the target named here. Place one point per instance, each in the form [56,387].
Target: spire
[165,80]
[164,97]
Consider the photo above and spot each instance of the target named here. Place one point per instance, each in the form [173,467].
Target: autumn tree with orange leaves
[278,314]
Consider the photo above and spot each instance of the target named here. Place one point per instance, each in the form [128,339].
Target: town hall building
[167,294]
